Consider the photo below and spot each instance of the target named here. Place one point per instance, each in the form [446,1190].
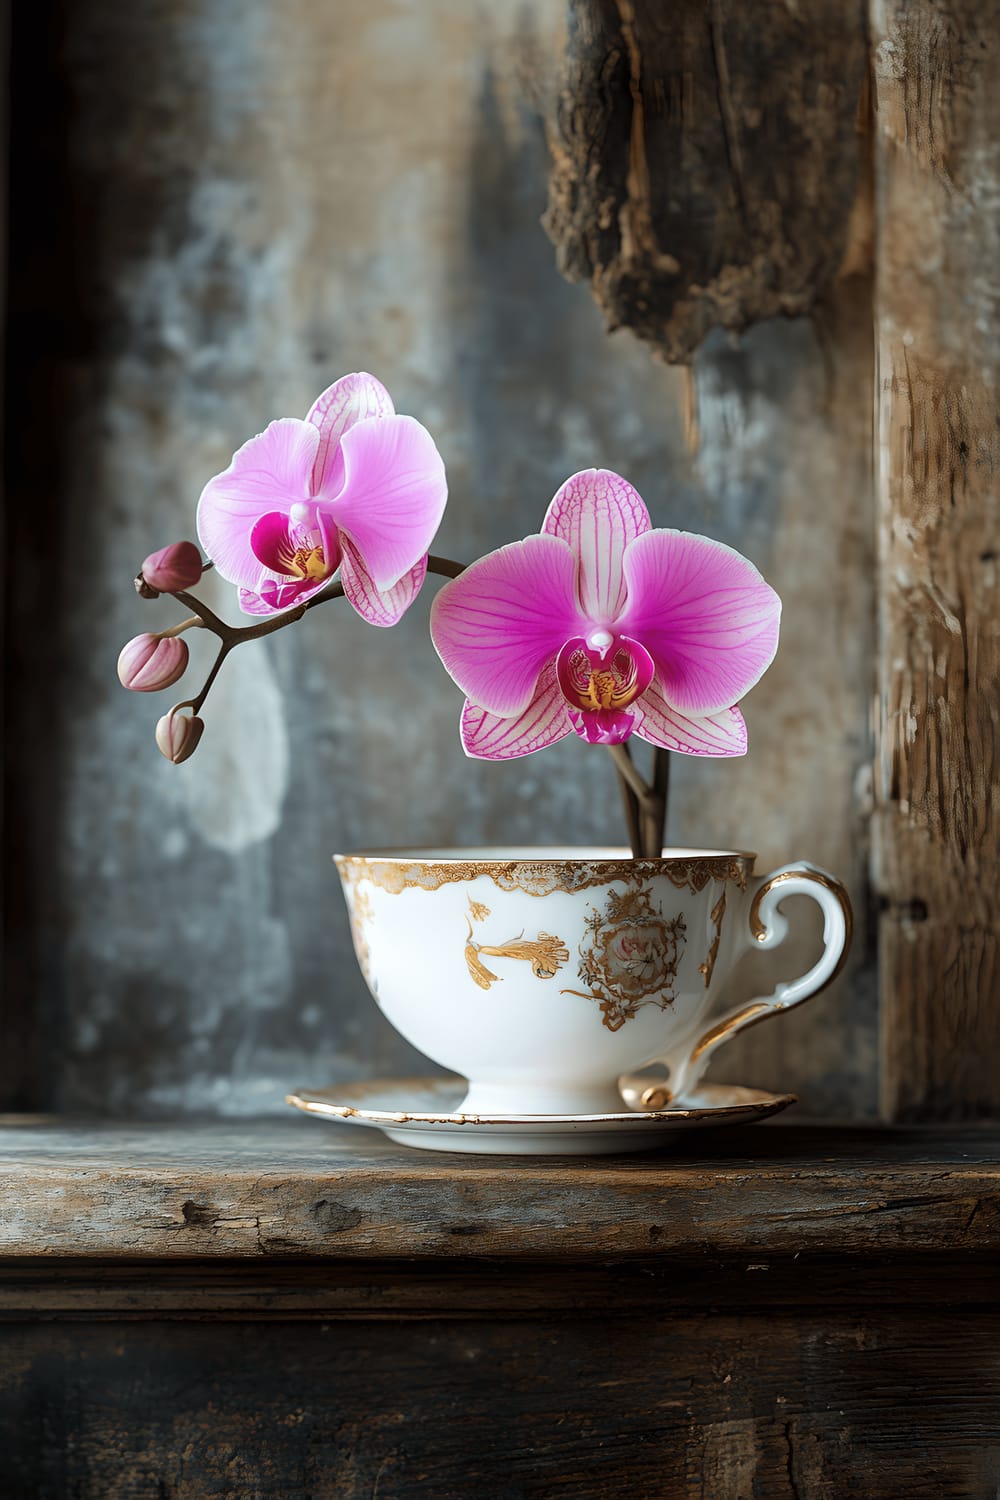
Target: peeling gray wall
[250,200]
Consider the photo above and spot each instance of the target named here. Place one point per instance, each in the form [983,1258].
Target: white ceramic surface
[422,1112]
[545,975]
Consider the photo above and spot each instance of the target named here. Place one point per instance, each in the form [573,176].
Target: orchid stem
[196,704]
[661,790]
[628,772]
[445,566]
[207,616]
[175,630]
[645,805]
[235,635]
[630,803]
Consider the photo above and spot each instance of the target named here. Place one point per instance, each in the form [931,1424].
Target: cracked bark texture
[937,832]
[706,161]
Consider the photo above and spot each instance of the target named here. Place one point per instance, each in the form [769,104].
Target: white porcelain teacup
[543,975]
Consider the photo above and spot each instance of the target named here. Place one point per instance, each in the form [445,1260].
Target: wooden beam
[705,160]
[937,82]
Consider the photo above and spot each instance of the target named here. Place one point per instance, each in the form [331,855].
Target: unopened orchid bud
[151,662]
[177,735]
[168,571]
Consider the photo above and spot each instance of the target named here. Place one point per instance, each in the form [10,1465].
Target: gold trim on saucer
[352,1106]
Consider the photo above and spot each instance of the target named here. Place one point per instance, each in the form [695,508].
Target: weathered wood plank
[269,1289]
[902,1407]
[938,845]
[705,161]
[305,1191]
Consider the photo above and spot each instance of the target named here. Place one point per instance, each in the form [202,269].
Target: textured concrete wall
[245,200]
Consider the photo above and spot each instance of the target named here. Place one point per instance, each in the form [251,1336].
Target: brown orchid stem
[196,703]
[630,802]
[661,789]
[628,771]
[232,636]
[645,804]
[445,566]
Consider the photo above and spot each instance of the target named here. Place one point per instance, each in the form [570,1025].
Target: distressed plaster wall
[245,200]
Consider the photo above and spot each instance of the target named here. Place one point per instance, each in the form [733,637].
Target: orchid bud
[151,662]
[168,571]
[177,735]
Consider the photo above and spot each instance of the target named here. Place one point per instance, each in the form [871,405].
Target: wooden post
[937,81]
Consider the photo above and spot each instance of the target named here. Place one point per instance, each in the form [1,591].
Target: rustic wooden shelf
[296,1187]
[289,1308]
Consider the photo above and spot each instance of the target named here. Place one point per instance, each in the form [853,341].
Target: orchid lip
[291,545]
[603,674]
[604,726]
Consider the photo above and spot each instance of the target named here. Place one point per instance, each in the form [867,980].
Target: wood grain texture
[938,843]
[53,1289]
[305,1189]
[899,1406]
[705,161]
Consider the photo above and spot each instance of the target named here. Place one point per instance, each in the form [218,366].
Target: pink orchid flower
[604,626]
[353,487]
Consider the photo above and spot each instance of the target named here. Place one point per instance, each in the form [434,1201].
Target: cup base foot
[501,1100]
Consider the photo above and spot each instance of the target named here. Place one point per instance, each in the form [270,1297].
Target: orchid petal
[378,606]
[269,473]
[718,734]
[501,621]
[393,495]
[351,399]
[704,613]
[544,722]
[273,596]
[598,513]
[252,604]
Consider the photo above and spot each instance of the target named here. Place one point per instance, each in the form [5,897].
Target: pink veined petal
[501,621]
[724,733]
[269,473]
[352,398]
[598,513]
[251,603]
[704,613]
[544,722]
[273,596]
[393,495]
[378,606]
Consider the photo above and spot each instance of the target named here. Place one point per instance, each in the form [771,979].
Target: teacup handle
[768,929]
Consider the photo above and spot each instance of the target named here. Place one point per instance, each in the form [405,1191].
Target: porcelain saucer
[419,1112]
